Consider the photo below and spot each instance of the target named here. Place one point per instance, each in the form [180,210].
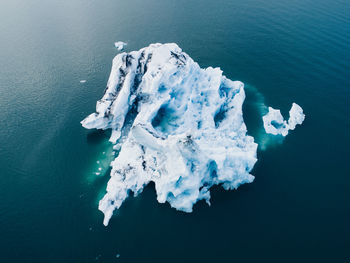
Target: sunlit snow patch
[275,124]
[187,131]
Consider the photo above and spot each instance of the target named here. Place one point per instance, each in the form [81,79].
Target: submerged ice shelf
[275,124]
[174,124]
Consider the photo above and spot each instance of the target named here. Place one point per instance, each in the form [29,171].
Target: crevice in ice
[129,120]
[219,116]
[165,120]
[277,125]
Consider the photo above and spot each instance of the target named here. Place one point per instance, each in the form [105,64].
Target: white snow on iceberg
[275,124]
[175,124]
[120,45]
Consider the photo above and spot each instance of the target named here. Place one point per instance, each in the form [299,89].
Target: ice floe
[275,124]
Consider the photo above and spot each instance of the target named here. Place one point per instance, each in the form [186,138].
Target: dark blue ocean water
[296,210]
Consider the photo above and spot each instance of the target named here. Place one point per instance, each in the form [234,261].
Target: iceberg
[174,124]
[120,45]
[275,124]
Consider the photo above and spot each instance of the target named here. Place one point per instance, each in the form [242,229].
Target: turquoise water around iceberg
[296,210]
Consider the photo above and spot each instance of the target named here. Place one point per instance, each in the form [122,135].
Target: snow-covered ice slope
[275,124]
[186,134]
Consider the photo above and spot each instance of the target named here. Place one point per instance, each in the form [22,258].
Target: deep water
[296,210]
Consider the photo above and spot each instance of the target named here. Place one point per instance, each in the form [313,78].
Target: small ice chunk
[120,45]
[275,124]
[296,116]
[83,81]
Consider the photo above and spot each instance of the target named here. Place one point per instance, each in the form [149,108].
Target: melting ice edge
[177,125]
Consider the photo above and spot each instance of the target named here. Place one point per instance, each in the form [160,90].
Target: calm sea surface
[296,210]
